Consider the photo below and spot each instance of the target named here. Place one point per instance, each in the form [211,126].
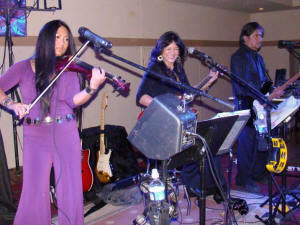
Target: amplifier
[161,131]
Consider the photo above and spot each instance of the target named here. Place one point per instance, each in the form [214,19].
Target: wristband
[90,90]
[6,102]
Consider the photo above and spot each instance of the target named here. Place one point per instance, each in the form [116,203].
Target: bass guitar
[86,171]
[103,168]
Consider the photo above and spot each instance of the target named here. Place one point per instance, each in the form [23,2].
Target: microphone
[287,44]
[193,51]
[97,40]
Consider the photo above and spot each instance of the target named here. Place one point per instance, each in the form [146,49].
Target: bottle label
[157,193]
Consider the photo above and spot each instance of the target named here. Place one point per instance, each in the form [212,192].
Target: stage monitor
[161,131]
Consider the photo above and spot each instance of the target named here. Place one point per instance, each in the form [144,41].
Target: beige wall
[142,19]
[282,25]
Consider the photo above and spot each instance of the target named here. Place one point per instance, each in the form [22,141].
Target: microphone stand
[269,105]
[14,94]
[292,51]
[168,80]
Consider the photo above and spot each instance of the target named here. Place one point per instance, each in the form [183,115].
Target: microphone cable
[216,179]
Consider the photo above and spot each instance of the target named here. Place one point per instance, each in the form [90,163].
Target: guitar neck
[102,146]
[204,83]
[289,82]
[103,105]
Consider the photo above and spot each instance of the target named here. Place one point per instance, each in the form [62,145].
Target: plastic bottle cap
[155,174]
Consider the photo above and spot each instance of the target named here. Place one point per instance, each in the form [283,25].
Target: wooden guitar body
[86,171]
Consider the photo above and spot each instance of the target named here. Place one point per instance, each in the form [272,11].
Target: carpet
[125,215]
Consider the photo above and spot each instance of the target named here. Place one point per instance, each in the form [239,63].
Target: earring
[160,58]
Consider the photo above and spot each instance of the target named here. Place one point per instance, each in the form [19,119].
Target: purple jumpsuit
[44,144]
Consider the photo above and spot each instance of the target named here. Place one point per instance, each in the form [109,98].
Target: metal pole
[14,93]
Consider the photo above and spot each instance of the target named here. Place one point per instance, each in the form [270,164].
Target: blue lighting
[11,9]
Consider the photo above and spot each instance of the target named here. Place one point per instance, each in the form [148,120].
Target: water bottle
[157,196]
[156,187]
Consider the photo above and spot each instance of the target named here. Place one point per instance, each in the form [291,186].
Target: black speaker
[161,131]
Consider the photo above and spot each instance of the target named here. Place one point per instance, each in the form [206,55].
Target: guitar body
[104,172]
[86,171]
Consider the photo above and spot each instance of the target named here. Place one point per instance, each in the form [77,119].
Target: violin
[82,67]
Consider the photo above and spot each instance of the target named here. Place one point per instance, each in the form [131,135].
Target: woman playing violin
[50,129]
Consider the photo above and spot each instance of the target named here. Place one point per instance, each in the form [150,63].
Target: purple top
[66,86]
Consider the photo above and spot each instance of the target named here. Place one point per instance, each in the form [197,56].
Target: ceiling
[250,6]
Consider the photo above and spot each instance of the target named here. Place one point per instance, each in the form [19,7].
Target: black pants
[251,163]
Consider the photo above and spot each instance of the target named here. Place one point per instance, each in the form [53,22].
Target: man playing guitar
[249,65]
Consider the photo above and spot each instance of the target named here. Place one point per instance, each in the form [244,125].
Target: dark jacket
[248,65]
[154,86]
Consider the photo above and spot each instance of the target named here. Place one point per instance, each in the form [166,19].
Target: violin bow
[59,74]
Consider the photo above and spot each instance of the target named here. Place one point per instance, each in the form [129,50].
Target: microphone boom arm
[259,96]
[166,79]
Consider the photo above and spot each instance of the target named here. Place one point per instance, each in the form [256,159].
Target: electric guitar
[259,110]
[103,168]
[86,171]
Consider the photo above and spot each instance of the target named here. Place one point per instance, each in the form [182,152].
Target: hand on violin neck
[98,77]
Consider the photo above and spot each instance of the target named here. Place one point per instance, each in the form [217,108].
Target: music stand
[220,133]
[285,109]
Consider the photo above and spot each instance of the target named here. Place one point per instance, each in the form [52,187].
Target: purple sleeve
[70,88]
[12,76]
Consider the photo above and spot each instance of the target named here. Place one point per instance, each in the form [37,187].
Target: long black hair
[248,29]
[165,40]
[45,59]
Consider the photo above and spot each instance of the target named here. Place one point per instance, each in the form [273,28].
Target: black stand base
[271,216]
[97,206]
[267,221]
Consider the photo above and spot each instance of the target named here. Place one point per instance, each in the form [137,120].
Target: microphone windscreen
[81,30]
[281,44]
